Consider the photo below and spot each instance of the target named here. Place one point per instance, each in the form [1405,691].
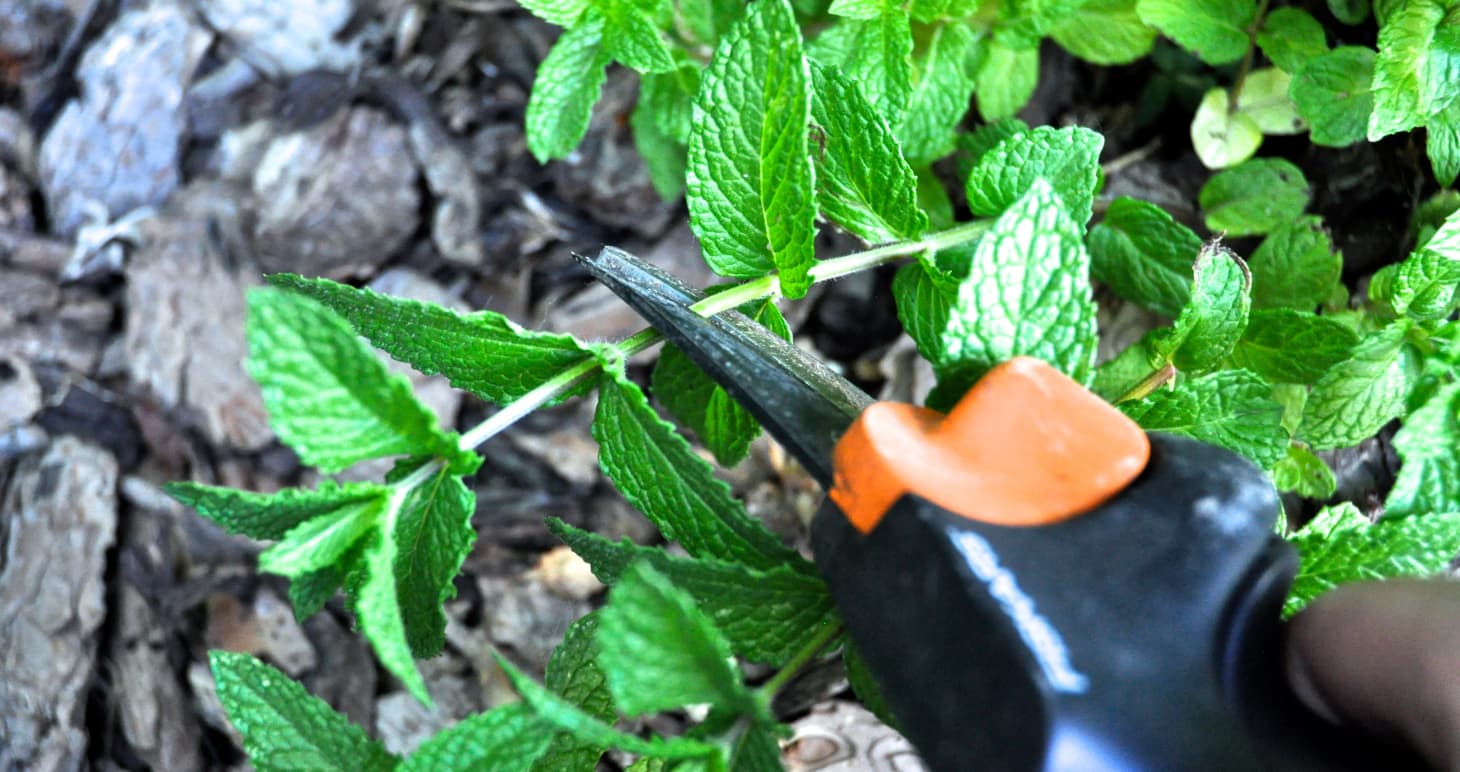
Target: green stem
[1247,57]
[1150,383]
[802,657]
[734,297]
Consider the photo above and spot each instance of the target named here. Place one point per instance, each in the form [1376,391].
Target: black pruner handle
[1141,635]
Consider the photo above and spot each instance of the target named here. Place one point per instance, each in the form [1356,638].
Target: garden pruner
[1033,581]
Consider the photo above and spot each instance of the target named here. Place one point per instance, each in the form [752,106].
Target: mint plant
[770,136]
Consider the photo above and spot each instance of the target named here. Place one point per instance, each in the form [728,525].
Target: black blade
[801,402]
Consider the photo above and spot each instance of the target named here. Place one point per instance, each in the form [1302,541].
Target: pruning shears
[1033,581]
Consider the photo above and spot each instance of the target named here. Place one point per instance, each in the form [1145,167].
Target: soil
[157,157]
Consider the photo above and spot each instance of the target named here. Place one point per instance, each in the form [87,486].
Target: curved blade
[801,402]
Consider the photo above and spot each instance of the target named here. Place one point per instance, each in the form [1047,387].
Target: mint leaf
[1304,473]
[1214,30]
[862,182]
[703,405]
[709,20]
[1144,255]
[1215,317]
[1287,346]
[1349,12]
[1221,136]
[1417,72]
[669,97]
[285,727]
[1230,408]
[876,54]
[856,9]
[1295,267]
[1357,396]
[768,615]
[631,36]
[378,608]
[1068,159]
[1027,293]
[435,534]
[321,542]
[1118,376]
[1340,546]
[560,12]
[327,395]
[1256,197]
[508,738]
[1423,286]
[1265,99]
[859,677]
[665,159]
[1005,78]
[755,749]
[658,473]
[481,352]
[1290,37]
[923,306]
[269,516]
[573,674]
[659,652]
[567,86]
[942,85]
[751,189]
[1332,93]
[1442,144]
[1429,475]
[309,592]
[569,718]
[1104,32]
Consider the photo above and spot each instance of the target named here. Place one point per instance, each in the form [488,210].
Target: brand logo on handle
[1043,640]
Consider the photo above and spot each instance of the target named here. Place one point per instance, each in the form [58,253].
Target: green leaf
[1423,286]
[269,516]
[321,542]
[942,85]
[1340,546]
[856,9]
[1349,12]
[665,159]
[1144,255]
[768,615]
[1287,346]
[864,686]
[631,37]
[567,86]
[923,307]
[660,652]
[658,473]
[669,97]
[1357,396]
[481,352]
[560,12]
[569,718]
[751,188]
[378,606]
[1256,197]
[435,535]
[1025,23]
[1214,30]
[697,401]
[1417,72]
[862,182]
[1230,408]
[709,20]
[327,395]
[1290,37]
[309,592]
[1027,293]
[1332,93]
[1120,375]
[1213,321]
[1304,473]
[1005,79]
[1221,136]
[876,55]
[1105,32]
[573,674]
[1442,144]
[1446,239]
[508,738]
[1068,159]
[928,11]
[1429,475]
[1295,267]
[755,749]
[1265,99]
[285,727]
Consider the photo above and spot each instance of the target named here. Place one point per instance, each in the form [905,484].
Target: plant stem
[1247,57]
[734,297]
[1150,383]
[802,657]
